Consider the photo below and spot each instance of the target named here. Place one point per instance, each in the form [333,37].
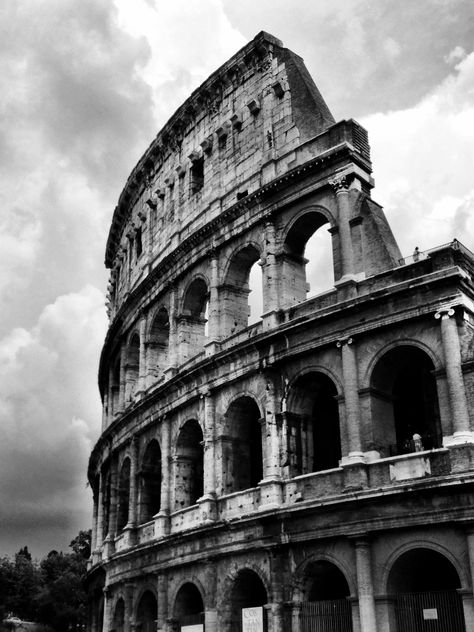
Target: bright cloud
[50,417]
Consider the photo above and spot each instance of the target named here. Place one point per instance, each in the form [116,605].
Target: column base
[109,547]
[207,508]
[162,524]
[170,372]
[212,347]
[272,319]
[353,458]
[270,493]
[355,472]
[129,535]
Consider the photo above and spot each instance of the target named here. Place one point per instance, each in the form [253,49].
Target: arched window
[192,321]
[188,606]
[314,439]
[189,464]
[243,454]
[404,402]
[306,242]
[150,482]
[147,613]
[131,367]
[158,344]
[423,581]
[123,495]
[234,294]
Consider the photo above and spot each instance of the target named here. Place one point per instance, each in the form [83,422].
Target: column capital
[344,341]
[340,182]
[444,313]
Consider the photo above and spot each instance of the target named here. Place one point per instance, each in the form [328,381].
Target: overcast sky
[84,87]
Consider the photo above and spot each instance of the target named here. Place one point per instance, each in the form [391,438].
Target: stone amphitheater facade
[309,471]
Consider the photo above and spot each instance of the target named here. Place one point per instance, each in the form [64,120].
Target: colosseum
[305,468]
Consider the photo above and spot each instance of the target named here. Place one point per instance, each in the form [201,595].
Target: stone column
[162,519]
[341,187]
[365,587]
[107,622]
[351,401]
[456,389]
[132,501]
[95,508]
[100,511]
[141,386]
[296,616]
[207,502]
[123,379]
[214,333]
[271,297]
[173,356]
[129,622]
[110,539]
[210,613]
[271,491]
[162,599]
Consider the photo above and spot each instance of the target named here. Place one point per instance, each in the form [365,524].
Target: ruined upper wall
[257,107]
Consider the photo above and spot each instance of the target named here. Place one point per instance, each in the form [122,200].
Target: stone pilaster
[271,297]
[132,504]
[141,386]
[214,333]
[271,490]
[107,621]
[365,588]
[162,518]
[162,599]
[129,621]
[456,389]
[341,188]
[173,357]
[208,501]
[351,401]
[109,540]
[100,512]
[123,379]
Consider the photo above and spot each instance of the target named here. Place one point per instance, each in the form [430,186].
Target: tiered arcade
[318,463]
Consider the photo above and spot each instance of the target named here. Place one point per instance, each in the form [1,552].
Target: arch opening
[158,344]
[192,327]
[242,452]
[424,586]
[123,495]
[404,402]
[147,613]
[248,591]
[188,606]
[150,482]
[119,616]
[305,239]
[313,427]
[240,301]
[189,473]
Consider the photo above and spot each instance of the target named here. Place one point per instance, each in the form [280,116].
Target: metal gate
[333,615]
[429,612]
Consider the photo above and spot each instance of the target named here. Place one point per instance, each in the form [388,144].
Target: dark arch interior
[147,612]
[302,230]
[313,420]
[422,570]
[196,299]
[188,607]
[123,495]
[325,581]
[119,615]
[405,401]
[244,456]
[189,465]
[150,482]
[248,591]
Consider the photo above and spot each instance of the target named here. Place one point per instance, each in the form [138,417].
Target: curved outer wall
[303,459]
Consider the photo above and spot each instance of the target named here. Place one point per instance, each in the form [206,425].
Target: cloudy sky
[84,87]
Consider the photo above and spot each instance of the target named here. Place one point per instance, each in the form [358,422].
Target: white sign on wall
[430,614]
[252,619]
[192,628]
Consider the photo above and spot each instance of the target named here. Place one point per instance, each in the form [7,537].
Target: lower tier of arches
[402,581]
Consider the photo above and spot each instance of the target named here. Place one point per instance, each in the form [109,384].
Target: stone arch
[132,364]
[423,579]
[234,292]
[149,481]
[158,343]
[119,615]
[242,447]
[245,588]
[192,320]
[301,573]
[189,464]
[188,604]
[123,493]
[146,613]
[297,234]
[425,543]
[404,401]
[313,424]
